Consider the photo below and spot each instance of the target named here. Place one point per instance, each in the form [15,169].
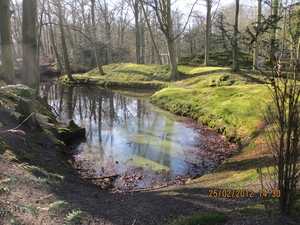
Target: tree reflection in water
[123,133]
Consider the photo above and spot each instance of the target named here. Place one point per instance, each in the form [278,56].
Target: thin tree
[63,42]
[96,50]
[235,66]
[52,39]
[273,48]
[137,31]
[284,135]
[151,35]
[29,67]
[163,11]
[258,23]
[107,16]
[208,31]
[8,73]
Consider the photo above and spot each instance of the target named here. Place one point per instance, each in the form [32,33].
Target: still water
[124,131]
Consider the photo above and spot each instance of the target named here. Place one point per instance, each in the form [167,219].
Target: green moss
[71,131]
[126,75]
[217,58]
[234,111]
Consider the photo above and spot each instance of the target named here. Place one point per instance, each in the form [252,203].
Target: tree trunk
[208,31]
[63,43]
[235,66]
[137,32]
[163,14]
[273,34]
[30,59]
[8,73]
[256,48]
[108,41]
[151,35]
[170,42]
[96,50]
[172,60]
[52,39]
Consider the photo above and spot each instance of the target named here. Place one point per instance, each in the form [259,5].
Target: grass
[213,218]
[128,75]
[217,58]
[230,103]
[254,209]
[234,111]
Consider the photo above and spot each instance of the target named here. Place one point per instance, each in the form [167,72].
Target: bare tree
[235,49]
[108,16]
[30,58]
[283,121]
[97,53]
[8,73]
[136,12]
[273,48]
[208,31]
[163,13]
[52,39]
[63,41]
[256,48]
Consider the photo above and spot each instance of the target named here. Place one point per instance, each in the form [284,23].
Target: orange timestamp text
[242,193]
[228,193]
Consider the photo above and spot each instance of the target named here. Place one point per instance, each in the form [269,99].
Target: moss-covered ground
[230,103]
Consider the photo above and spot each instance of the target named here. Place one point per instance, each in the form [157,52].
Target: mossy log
[67,132]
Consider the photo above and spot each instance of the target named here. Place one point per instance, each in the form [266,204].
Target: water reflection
[123,132]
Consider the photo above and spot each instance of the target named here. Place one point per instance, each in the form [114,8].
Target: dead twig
[16,128]
[101,177]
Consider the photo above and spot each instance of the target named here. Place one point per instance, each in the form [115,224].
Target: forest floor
[38,186]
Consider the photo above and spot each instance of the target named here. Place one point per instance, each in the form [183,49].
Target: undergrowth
[215,218]
[74,217]
[56,206]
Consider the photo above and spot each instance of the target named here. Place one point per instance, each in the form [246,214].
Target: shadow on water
[130,138]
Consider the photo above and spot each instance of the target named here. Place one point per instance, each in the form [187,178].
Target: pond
[131,144]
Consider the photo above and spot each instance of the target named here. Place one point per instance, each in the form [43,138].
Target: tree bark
[256,48]
[151,35]
[96,50]
[163,14]
[7,69]
[107,21]
[30,59]
[52,39]
[235,66]
[275,6]
[137,32]
[208,31]
[63,43]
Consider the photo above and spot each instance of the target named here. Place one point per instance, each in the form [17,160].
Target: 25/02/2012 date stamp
[241,193]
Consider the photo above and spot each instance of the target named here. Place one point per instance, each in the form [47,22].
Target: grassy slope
[229,103]
[127,75]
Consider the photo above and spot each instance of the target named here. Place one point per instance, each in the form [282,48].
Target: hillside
[38,186]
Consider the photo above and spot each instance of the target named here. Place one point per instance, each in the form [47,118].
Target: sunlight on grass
[213,218]
[254,209]
[230,103]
